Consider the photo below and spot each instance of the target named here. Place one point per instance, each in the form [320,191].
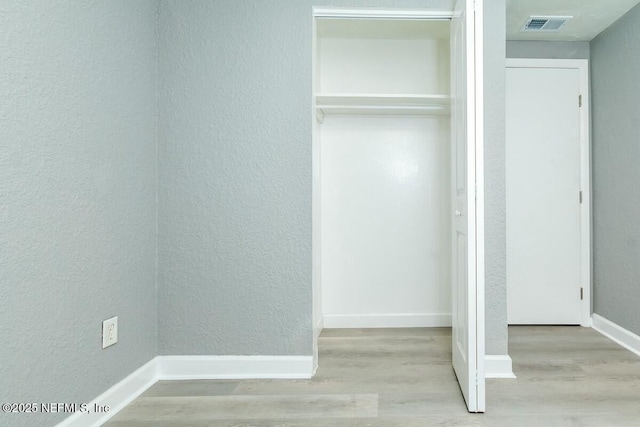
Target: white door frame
[316,208]
[478,163]
[582,65]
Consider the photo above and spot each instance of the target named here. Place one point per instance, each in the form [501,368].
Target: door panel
[543,205]
[467,287]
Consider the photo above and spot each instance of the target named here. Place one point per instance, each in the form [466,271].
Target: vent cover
[545,23]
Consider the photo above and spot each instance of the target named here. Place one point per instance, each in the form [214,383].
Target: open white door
[467,203]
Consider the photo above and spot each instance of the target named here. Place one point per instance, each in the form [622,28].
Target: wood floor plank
[197,408]
[191,388]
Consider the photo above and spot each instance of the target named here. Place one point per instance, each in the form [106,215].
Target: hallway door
[543,195]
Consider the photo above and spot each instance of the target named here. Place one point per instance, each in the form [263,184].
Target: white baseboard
[117,397]
[319,326]
[412,320]
[498,367]
[189,368]
[234,367]
[617,333]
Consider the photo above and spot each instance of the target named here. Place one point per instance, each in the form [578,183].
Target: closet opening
[397,201]
[382,138]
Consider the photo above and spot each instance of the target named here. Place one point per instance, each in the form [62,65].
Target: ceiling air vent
[545,23]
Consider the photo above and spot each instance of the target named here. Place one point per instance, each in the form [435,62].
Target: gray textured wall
[235,176]
[235,187]
[495,190]
[615,66]
[77,198]
[553,50]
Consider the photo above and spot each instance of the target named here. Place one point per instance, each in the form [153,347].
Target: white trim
[585,186]
[316,336]
[116,397]
[478,48]
[234,367]
[545,63]
[412,320]
[617,333]
[499,366]
[336,12]
[582,65]
[190,368]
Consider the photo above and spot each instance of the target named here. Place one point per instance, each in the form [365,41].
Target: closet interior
[382,106]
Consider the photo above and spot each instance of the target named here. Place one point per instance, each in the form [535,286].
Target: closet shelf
[381,104]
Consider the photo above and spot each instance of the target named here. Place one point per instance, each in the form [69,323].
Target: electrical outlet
[110,332]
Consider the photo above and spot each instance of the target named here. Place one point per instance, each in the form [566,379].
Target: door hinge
[580,101]
[581,294]
[581,197]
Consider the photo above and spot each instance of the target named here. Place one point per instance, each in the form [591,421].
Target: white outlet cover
[110,332]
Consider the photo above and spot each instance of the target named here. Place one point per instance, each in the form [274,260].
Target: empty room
[319,213]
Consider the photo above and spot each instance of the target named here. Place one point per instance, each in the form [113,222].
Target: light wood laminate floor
[567,376]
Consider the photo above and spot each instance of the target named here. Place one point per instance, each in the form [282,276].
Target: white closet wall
[383,66]
[383,101]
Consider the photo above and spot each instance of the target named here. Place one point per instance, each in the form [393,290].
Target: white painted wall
[383,66]
[385,221]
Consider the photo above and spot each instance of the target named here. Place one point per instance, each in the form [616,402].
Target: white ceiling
[590,17]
